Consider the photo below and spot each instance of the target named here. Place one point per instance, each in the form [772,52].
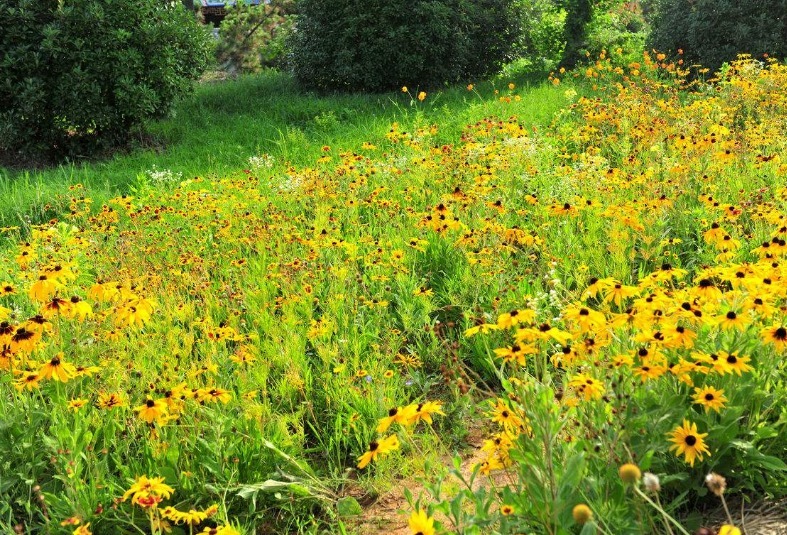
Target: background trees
[711,32]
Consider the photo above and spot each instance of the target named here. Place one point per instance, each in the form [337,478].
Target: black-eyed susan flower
[24,340]
[710,398]
[507,510]
[110,401]
[56,306]
[505,416]
[516,353]
[77,403]
[144,486]
[377,448]
[515,317]
[586,318]
[401,415]
[421,523]
[78,309]
[688,441]
[775,335]
[28,381]
[220,530]
[587,387]
[57,369]
[425,410]
[43,288]
[153,410]
[732,363]
[731,320]
[617,293]
[648,371]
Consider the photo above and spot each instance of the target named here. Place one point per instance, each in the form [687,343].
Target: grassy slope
[217,130]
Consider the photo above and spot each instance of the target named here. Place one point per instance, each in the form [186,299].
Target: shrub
[383,44]
[541,40]
[620,25]
[711,32]
[253,36]
[77,76]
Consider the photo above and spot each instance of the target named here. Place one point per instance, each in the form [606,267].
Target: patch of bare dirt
[389,513]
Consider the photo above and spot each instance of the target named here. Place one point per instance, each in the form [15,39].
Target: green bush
[376,45]
[78,76]
[541,39]
[617,25]
[711,32]
[253,37]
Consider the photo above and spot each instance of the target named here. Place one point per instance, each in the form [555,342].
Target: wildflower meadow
[560,328]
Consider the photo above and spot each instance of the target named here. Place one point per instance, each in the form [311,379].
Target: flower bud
[581,513]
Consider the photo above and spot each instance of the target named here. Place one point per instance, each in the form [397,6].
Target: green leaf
[348,506]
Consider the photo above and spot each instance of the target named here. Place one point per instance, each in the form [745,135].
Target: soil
[389,513]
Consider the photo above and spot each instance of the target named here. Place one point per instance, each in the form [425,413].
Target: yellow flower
[586,386]
[710,398]
[83,530]
[727,529]
[57,369]
[76,404]
[43,289]
[220,530]
[381,447]
[424,411]
[422,96]
[689,442]
[29,381]
[776,335]
[191,517]
[153,410]
[420,523]
[110,401]
[144,486]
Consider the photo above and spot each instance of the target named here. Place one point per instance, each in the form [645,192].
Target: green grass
[224,123]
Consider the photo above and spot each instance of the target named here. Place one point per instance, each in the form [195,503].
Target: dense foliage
[710,32]
[77,76]
[253,37]
[380,44]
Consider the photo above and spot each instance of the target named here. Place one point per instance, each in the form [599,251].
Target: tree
[710,32]
[77,76]
[375,45]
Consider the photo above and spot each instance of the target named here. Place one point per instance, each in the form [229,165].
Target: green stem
[658,508]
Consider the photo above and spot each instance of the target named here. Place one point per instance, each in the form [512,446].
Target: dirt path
[389,513]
